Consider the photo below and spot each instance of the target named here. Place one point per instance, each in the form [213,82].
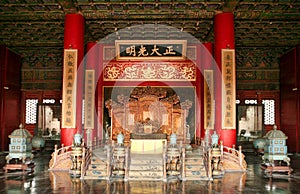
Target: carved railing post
[222,149]
[126,163]
[165,161]
[183,175]
[108,162]
[55,153]
[83,163]
[240,156]
[208,160]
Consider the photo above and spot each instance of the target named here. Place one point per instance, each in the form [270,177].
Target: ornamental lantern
[20,146]
[275,148]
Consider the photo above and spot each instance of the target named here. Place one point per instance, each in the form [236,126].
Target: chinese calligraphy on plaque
[151,49]
[228,89]
[69,89]
[89,99]
[209,99]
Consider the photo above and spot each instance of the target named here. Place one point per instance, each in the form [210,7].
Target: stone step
[93,177]
[194,161]
[143,167]
[152,173]
[97,167]
[100,154]
[194,156]
[194,167]
[196,173]
[98,161]
[96,173]
[146,156]
[146,161]
[145,179]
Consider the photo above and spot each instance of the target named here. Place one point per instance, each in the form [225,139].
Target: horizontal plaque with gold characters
[151,49]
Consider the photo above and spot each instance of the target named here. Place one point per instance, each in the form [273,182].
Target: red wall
[289,90]
[10,93]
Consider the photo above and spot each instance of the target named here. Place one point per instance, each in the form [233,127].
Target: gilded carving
[153,71]
[148,110]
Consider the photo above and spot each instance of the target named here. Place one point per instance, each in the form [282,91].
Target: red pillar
[224,38]
[74,39]
[100,91]
[92,63]
[207,64]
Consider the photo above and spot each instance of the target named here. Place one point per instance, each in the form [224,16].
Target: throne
[148,113]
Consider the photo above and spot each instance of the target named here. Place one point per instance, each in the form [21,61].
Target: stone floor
[42,181]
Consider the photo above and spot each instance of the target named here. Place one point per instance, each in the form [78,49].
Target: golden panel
[69,89]
[89,99]
[209,113]
[228,89]
[150,71]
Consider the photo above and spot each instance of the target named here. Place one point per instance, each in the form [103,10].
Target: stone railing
[183,173]
[207,161]
[86,160]
[60,160]
[234,156]
[127,158]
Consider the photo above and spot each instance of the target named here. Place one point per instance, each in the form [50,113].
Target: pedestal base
[269,170]
[147,146]
[23,167]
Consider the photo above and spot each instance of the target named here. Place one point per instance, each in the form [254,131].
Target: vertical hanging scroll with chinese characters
[69,89]
[209,113]
[89,99]
[228,89]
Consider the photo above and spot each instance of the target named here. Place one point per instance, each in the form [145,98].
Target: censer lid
[20,133]
[275,134]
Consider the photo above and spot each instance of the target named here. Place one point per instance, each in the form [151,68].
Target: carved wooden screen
[148,110]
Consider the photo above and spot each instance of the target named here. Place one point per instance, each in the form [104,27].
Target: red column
[100,91]
[224,38]
[74,38]
[92,63]
[207,63]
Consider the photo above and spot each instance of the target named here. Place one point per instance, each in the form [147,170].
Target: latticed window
[48,101]
[31,111]
[269,112]
[250,101]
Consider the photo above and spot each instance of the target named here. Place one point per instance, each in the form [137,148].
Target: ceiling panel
[28,26]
